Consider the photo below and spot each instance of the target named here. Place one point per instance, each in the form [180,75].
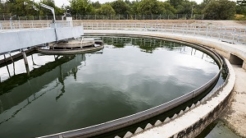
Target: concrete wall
[193,122]
[244,65]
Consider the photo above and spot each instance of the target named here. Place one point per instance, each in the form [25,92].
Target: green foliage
[168,9]
[212,9]
[175,3]
[106,9]
[241,7]
[82,7]
[186,7]
[96,5]
[220,10]
[120,7]
[149,7]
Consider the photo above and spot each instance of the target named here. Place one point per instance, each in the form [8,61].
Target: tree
[96,5]
[175,3]
[82,7]
[20,8]
[220,9]
[120,7]
[186,7]
[168,9]
[106,9]
[241,7]
[134,7]
[149,7]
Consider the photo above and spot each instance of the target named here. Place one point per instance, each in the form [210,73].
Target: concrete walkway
[235,117]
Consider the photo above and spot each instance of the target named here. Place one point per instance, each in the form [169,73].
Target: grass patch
[240,17]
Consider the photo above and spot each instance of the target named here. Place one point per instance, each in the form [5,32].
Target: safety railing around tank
[229,34]
[141,116]
[16,24]
[7,16]
[33,24]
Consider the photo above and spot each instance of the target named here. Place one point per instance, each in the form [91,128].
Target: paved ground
[235,117]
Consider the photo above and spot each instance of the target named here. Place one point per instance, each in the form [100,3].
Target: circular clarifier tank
[69,92]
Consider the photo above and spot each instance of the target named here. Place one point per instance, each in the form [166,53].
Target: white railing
[230,34]
[33,24]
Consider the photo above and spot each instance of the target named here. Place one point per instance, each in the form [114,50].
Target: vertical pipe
[33,60]
[6,65]
[26,62]
[12,62]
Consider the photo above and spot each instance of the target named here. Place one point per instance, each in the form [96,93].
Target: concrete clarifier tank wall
[244,65]
[203,114]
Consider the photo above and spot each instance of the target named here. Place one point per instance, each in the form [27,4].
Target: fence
[230,34]
[111,17]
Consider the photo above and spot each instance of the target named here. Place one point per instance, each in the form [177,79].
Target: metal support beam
[25,62]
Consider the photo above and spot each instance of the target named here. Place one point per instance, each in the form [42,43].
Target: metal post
[19,22]
[25,62]
[7,65]
[12,62]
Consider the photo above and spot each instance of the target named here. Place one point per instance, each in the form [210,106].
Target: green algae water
[129,75]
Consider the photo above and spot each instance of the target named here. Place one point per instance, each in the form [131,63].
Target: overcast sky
[59,3]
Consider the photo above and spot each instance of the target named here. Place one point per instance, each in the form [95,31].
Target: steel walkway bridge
[18,39]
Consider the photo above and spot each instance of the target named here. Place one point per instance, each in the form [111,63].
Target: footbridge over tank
[16,39]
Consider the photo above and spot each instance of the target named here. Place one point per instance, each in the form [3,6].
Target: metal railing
[16,24]
[230,34]
[111,17]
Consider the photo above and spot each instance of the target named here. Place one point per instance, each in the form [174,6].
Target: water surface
[69,92]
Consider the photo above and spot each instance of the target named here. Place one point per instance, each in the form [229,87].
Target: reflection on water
[69,92]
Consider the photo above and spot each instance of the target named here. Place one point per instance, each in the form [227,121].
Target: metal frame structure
[49,8]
